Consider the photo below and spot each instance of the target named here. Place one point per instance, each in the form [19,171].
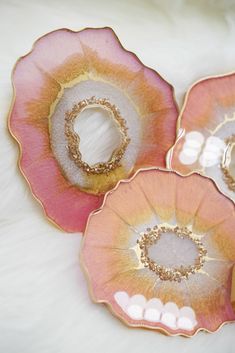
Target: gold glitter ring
[228,178]
[152,235]
[74,139]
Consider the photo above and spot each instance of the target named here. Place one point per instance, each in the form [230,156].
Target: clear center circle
[172,251]
[99,134]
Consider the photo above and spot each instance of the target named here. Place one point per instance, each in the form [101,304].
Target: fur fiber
[44,301]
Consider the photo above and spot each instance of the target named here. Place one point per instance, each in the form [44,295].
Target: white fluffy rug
[44,302]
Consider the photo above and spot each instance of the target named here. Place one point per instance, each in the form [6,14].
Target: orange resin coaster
[160,253]
[206,133]
[74,77]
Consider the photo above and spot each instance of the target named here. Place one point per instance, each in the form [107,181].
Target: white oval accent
[209,159]
[136,305]
[155,303]
[187,311]
[213,149]
[169,320]
[193,144]
[137,308]
[185,323]
[122,299]
[187,160]
[135,312]
[171,307]
[187,318]
[152,315]
[207,154]
[170,314]
[195,136]
[190,151]
[138,299]
[153,310]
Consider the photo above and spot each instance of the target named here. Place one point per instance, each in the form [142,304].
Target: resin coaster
[76,83]
[160,253]
[206,133]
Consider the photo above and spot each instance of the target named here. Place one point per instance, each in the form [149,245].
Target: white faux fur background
[44,302]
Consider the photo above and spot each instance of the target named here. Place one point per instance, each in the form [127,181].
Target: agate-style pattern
[160,253]
[70,77]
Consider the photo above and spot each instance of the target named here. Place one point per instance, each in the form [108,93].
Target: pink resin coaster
[206,132]
[70,77]
[160,253]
